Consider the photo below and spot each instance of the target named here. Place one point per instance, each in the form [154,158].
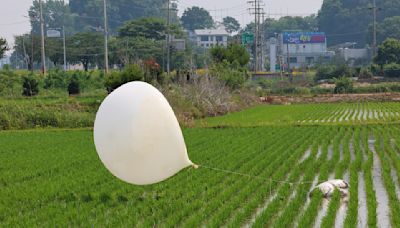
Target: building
[208,38]
[352,54]
[298,50]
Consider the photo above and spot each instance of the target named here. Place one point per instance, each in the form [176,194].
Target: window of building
[310,60]
[204,38]
[219,38]
[293,59]
[207,45]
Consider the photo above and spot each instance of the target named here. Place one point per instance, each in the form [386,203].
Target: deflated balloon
[138,137]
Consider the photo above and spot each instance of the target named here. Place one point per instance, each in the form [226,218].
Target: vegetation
[339,18]
[196,18]
[343,85]
[3,47]
[273,192]
[231,24]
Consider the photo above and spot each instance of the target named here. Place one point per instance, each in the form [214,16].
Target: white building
[298,49]
[353,54]
[208,38]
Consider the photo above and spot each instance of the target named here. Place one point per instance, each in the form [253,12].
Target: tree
[388,52]
[24,49]
[349,20]
[89,13]
[86,48]
[196,18]
[233,54]
[389,28]
[307,24]
[231,24]
[56,14]
[149,28]
[127,50]
[3,47]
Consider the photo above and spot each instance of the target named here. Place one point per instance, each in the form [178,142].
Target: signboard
[247,38]
[52,33]
[304,37]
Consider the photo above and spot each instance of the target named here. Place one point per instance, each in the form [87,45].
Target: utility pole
[257,11]
[168,37]
[375,10]
[288,63]
[65,51]
[42,38]
[105,38]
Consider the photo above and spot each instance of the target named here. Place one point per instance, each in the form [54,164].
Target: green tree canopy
[349,20]
[196,18]
[231,24]
[90,12]
[388,52]
[86,48]
[56,14]
[389,28]
[3,47]
[289,23]
[234,54]
[24,50]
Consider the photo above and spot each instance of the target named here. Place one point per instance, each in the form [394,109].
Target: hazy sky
[13,22]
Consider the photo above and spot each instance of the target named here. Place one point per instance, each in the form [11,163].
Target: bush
[330,71]
[343,85]
[392,70]
[30,86]
[365,73]
[324,72]
[232,76]
[130,73]
[74,85]
[56,79]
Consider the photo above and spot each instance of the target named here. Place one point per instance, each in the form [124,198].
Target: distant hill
[350,20]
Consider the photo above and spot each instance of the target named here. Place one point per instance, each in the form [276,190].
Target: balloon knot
[195,166]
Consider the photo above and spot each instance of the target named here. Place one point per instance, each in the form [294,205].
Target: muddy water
[396,182]
[370,115]
[362,202]
[306,155]
[365,114]
[355,114]
[360,114]
[343,115]
[382,198]
[319,152]
[352,152]
[330,152]
[341,213]
[341,152]
[324,210]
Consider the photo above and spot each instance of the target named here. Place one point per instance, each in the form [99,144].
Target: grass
[51,177]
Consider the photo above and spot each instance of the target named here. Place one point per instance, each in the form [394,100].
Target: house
[208,38]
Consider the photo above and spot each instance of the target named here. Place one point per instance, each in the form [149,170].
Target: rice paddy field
[257,168]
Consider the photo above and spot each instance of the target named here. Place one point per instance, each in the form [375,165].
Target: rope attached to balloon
[250,176]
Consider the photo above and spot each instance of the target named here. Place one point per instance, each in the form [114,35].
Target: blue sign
[304,37]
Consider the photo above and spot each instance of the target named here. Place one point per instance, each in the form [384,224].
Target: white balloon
[137,135]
